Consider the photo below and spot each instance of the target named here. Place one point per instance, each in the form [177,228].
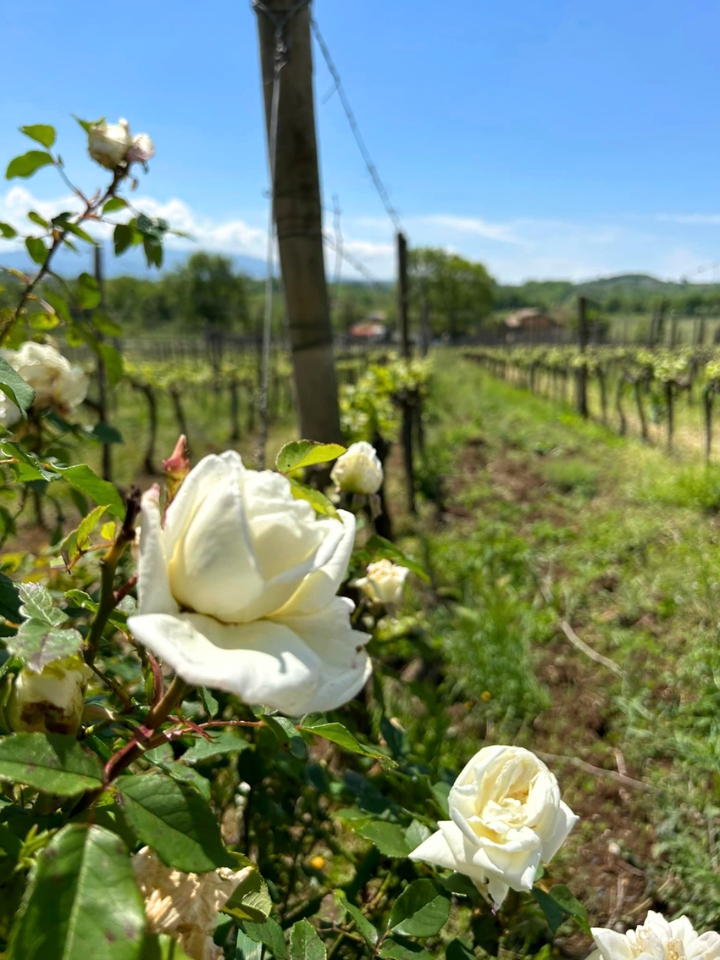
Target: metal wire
[281,56]
[362,146]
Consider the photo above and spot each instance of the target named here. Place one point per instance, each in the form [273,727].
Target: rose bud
[358,470]
[109,143]
[50,701]
[384,582]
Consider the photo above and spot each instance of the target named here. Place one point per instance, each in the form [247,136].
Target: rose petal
[612,945]
[154,594]
[262,662]
[565,820]
[320,586]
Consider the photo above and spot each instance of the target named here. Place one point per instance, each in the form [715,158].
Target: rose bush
[656,939]
[57,383]
[507,819]
[237,591]
[358,470]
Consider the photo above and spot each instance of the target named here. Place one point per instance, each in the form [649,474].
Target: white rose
[108,143]
[238,590]
[384,582]
[507,819]
[656,939]
[358,470]
[50,701]
[56,382]
[185,906]
[141,150]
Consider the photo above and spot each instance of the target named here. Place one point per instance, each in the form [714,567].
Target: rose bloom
[358,470]
[656,939]
[111,144]
[384,582]
[238,590]
[185,906]
[507,819]
[50,701]
[57,383]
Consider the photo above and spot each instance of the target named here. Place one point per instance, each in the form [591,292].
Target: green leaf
[105,324]
[43,321]
[82,901]
[226,741]
[554,914]
[49,762]
[404,951]
[105,433]
[87,125]
[7,231]
[88,292]
[251,900]
[124,236]
[37,249]
[340,735]
[41,133]
[175,820]
[160,946]
[441,792]
[36,218]
[39,604]
[178,771]
[389,838]
[209,702]
[28,466]
[113,204]
[416,834]
[457,950]
[564,900]
[13,385]
[78,231]
[153,251]
[60,306]
[76,541]
[421,910]
[366,930]
[305,944]
[270,933]
[27,164]
[317,500]
[304,453]
[83,479]
[9,599]
[113,362]
[380,547]
[247,949]
[38,643]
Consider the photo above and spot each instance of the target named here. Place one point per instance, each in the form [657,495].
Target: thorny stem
[59,235]
[109,562]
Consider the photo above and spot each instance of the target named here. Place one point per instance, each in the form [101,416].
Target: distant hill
[130,264]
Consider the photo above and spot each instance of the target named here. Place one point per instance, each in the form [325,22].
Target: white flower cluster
[57,384]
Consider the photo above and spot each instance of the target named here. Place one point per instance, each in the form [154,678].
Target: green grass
[549,518]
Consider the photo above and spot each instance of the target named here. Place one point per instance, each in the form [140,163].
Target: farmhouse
[530,320]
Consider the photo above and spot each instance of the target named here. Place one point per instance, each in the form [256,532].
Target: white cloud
[667,245]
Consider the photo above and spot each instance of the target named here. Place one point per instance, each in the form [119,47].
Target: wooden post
[298,216]
[425,334]
[403,295]
[581,376]
[102,375]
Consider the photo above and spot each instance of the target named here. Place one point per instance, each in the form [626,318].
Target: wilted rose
[57,383]
[50,701]
[141,149]
[507,819]
[384,582]
[185,906]
[656,939]
[358,470]
[238,590]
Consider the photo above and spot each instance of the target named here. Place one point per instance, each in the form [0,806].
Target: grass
[548,518]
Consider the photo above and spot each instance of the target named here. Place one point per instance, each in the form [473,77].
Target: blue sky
[552,139]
